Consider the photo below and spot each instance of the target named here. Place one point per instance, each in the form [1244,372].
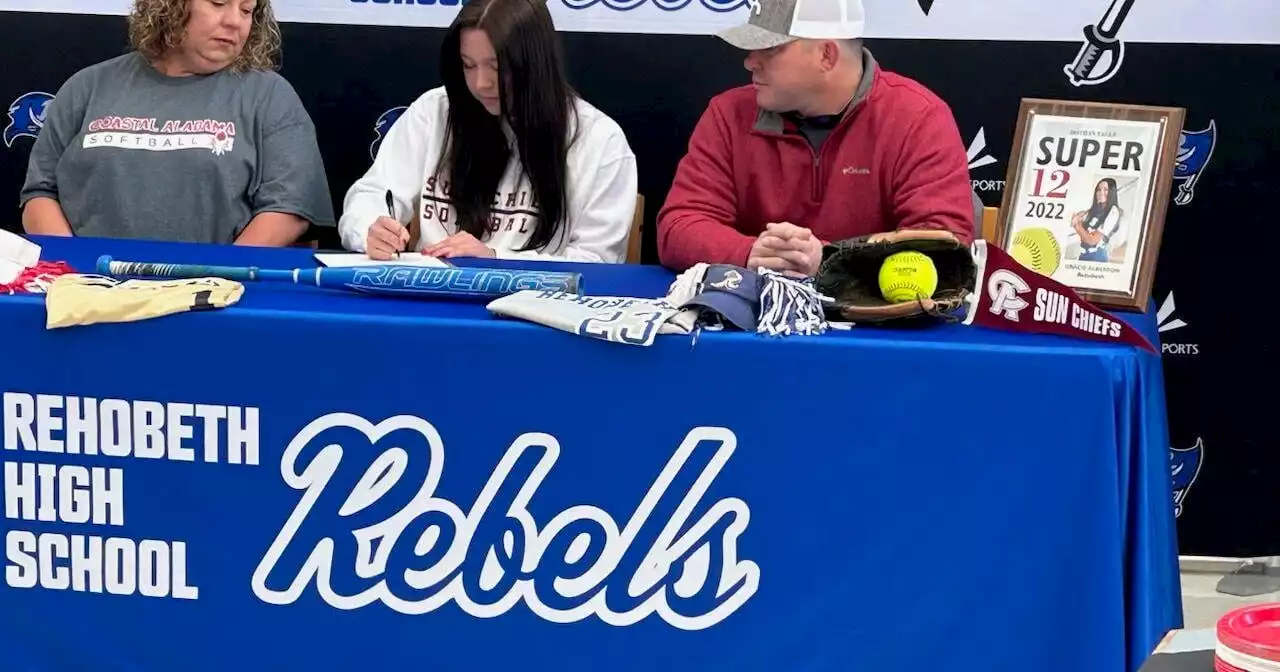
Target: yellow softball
[907,276]
[1038,250]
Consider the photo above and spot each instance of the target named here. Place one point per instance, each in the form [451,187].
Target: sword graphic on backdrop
[1099,41]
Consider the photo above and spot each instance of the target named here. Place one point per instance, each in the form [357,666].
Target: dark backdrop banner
[1224,460]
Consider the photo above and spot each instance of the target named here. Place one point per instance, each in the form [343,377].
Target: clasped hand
[786,248]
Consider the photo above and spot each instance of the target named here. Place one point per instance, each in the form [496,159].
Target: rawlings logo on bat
[412,279]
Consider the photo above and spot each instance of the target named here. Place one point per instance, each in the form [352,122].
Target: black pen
[391,210]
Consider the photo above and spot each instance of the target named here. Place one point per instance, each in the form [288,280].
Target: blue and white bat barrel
[473,283]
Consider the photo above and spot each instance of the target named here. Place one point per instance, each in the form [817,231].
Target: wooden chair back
[635,241]
[990,219]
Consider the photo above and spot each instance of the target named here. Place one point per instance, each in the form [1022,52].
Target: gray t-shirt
[131,153]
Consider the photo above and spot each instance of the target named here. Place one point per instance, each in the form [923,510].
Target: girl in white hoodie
[504,160]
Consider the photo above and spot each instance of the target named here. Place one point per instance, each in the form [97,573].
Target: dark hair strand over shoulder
[537,104]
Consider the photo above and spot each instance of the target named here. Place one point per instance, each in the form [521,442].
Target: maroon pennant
[1012,297]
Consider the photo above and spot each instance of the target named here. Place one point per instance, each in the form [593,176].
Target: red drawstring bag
[36,279]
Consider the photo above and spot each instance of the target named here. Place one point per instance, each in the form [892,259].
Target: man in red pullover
[823,145]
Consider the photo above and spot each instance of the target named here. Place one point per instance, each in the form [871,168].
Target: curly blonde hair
[156,27]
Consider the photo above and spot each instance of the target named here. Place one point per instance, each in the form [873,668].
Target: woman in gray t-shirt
[198,142]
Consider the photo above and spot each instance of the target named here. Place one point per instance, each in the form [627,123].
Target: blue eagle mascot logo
[1195,148]
[1185,463]
[26,116]
[383,126]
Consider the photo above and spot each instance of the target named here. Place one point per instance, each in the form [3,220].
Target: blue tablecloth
[310,480]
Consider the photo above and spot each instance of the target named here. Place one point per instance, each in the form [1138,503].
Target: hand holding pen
[387,237]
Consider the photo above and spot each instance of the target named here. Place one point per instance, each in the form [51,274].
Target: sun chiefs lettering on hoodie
[895,160]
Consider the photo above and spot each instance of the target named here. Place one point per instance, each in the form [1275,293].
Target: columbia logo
[1165,313]
[976,147]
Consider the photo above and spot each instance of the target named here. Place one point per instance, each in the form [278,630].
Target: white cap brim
[751,38]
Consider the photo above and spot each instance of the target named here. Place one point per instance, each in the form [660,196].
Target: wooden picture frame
[1103,239]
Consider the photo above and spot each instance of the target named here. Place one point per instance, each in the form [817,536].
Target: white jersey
[602,189]
[619,319]
[785,307]
[1112,226]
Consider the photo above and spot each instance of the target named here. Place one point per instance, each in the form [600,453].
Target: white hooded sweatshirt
[601,190]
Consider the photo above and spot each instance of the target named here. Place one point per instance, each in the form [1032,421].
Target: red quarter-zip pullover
[895,160]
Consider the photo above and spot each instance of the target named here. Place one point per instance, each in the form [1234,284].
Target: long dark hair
[537,102]
[1099,211]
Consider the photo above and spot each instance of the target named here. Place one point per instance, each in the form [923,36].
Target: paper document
[16,255]
[340,260]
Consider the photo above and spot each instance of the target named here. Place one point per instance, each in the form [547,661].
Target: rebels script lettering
[369,527]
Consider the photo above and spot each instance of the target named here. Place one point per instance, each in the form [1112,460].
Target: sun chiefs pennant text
[1012,297]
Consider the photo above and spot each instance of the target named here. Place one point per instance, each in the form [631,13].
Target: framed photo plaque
[1086,195]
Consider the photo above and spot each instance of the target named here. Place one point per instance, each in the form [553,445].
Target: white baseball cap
[776,22]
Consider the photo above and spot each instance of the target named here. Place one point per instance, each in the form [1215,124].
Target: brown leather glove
[850,274]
